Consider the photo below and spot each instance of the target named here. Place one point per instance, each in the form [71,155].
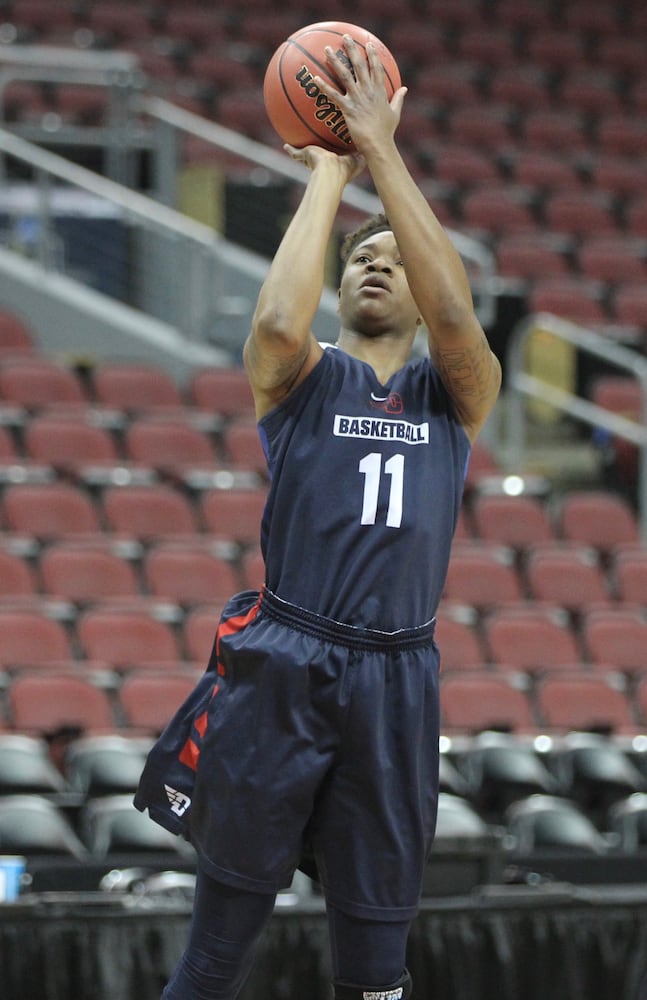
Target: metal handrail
[521,384]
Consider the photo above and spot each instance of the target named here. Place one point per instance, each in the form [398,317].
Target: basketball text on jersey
[383,994]
[379,430]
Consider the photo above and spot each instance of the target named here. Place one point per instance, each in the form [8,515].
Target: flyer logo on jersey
[178,800]
[390,404]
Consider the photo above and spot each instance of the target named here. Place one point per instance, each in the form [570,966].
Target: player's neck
[385,354]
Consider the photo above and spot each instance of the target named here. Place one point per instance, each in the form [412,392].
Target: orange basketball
[300,112]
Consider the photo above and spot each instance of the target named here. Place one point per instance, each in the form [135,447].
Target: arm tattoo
[466,372]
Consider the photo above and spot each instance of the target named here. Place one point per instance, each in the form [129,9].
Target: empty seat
[622,135]
[581,213]
[134,387]
[498,209]
[37,382]
[234,514]
[49,511]
[556,49]
[613,258]
[594,772]
[516,521]
[171,445]
[17,578]
[74,446]
[111,825]
[618,174]
[573,298]
[243,447]
[629,305]
[46,702]
[499,769]
[487,126]
[448,84]
[105,765]
[586,704]
[567,577]
[629,575]
[148,513]
[549,129]
[521,87]
[189,575]
[543,823]
[25,766]
[481,577]
[545,170]
[125,638]
[34,826]
[619,393]
[628,819]
[472,703]
[225,391]
[460,645]
[531,256]
[531,639]
[590,91]
[149,700]
[86,573]
[199,633]
[28,639]
[597,518]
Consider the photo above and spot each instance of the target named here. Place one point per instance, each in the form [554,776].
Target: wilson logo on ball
[302,112]
[324,109]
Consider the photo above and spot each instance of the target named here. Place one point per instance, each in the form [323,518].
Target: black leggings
[227,923]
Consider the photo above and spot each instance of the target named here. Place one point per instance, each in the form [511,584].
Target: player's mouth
[374,281]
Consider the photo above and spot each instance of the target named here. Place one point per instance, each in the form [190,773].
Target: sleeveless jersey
[366,486]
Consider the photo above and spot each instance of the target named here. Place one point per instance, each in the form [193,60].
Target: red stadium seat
[629,575]
[617,638]
[460,645]
[149,513]
[148,701]
[172,445]
[581,213]
[566,704]
[16,335]
[225,391]
[499,209]
[31,639]
[597,518]
[473,703]
[199,632]
[74,446]
[44,703]
[614,259]
[530,256]
[566,576]
[125,639]
[135,387]
[38,382]
[573,298]
[189,575]
[17,578]
[243,447]
[531,639]
[481,577]
[234,515]
[50,511]
[86,573]
[547,129]
[517,521]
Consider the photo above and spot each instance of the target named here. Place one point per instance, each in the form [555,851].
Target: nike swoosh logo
[379,399]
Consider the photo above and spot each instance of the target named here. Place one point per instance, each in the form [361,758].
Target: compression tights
[227,923]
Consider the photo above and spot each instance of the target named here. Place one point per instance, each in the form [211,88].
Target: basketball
[299,111]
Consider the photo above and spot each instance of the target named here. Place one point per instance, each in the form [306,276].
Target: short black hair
[375,224]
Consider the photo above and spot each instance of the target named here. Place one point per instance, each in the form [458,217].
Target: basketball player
[312,738]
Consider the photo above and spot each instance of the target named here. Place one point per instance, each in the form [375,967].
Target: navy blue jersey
[367,482]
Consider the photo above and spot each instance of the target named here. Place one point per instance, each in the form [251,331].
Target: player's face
[374,295]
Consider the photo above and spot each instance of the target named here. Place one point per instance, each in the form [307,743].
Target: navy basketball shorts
[306,739]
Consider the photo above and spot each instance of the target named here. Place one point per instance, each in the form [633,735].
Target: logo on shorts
[383,994]
[179,801]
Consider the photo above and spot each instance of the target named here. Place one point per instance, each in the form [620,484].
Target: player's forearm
[435,271]
[292,290]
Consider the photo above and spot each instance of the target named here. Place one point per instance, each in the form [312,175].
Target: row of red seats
[143,701]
